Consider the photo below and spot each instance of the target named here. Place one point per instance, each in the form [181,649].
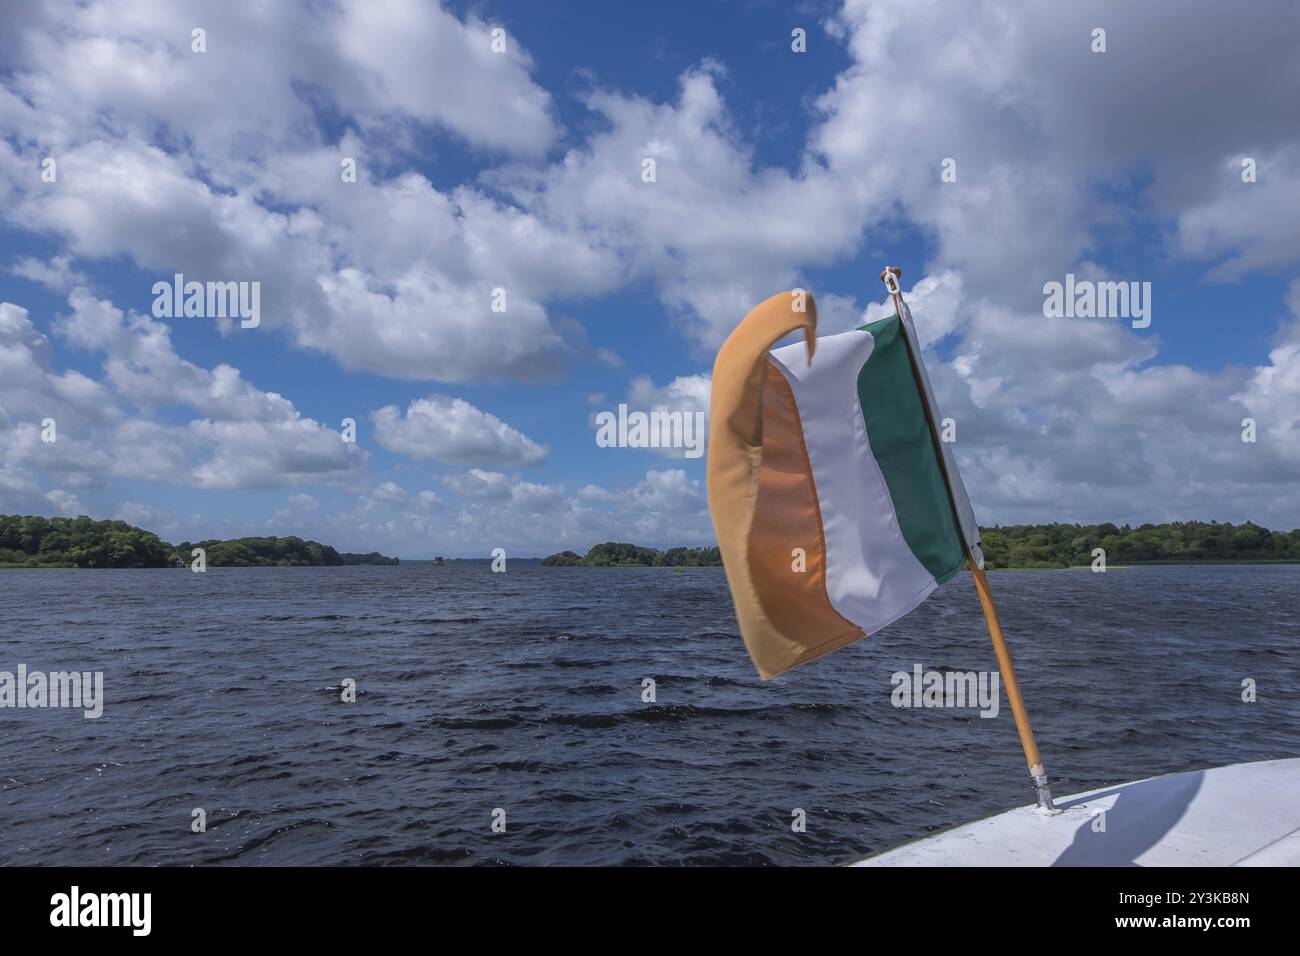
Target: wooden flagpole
[889,276]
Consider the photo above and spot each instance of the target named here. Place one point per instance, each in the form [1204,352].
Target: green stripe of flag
[902,445]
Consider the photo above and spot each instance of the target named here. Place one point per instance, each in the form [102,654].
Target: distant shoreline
[30,542]
[1073,567]
[1033,547]
[38,543]
[423,562]
[396,562]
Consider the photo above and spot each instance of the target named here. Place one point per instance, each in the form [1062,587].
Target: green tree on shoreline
[33,541]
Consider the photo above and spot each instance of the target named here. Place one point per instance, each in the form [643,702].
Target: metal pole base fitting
[1044,794]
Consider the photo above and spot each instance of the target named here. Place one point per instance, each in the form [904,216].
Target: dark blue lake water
[522,691]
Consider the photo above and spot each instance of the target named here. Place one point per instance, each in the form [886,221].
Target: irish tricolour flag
[837,508]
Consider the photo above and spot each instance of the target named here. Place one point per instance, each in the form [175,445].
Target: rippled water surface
[523,690]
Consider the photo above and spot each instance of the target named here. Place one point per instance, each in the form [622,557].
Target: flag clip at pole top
[889,276]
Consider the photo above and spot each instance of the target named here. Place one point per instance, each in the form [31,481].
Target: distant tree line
[33,541]
[613,554]
[1063,545]
[374,557]
[1029,546]
[263,552]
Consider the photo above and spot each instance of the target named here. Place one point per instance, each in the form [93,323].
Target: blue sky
[521,170]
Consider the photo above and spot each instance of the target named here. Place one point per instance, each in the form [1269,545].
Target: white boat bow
[1245,814]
